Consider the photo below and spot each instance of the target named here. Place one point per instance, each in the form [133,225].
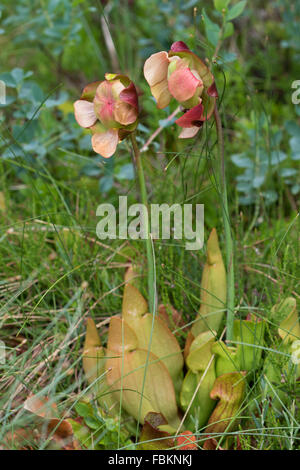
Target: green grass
[55,274]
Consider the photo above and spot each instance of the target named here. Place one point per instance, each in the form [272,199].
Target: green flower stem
[143,193]
[227,229]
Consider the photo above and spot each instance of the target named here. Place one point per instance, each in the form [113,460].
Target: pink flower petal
[84,113]
[183,84]
[179,46]
[124,113]
[129,95]
[116,88]
[161,93]
[105,144]
[192,117]
[104,102]
[188,132]
[156,68]
[181,49]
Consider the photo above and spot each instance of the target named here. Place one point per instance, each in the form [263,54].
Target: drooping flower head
[110,109]
[180,74]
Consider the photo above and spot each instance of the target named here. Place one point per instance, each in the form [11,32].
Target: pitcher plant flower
[180,74]
[110,109]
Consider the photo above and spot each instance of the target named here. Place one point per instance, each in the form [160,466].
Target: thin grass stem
[227,229]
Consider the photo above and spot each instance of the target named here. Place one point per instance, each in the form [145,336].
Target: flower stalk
[144,199]
[227,229]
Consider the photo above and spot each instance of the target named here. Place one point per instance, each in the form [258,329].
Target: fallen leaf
[20,439]
[58,430]
[41,407]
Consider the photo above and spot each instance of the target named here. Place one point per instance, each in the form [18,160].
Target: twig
[159,129]
[275,281]
[109,41]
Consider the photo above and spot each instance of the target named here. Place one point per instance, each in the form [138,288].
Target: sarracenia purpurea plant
[143,376]
[110,109]
[169,390]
